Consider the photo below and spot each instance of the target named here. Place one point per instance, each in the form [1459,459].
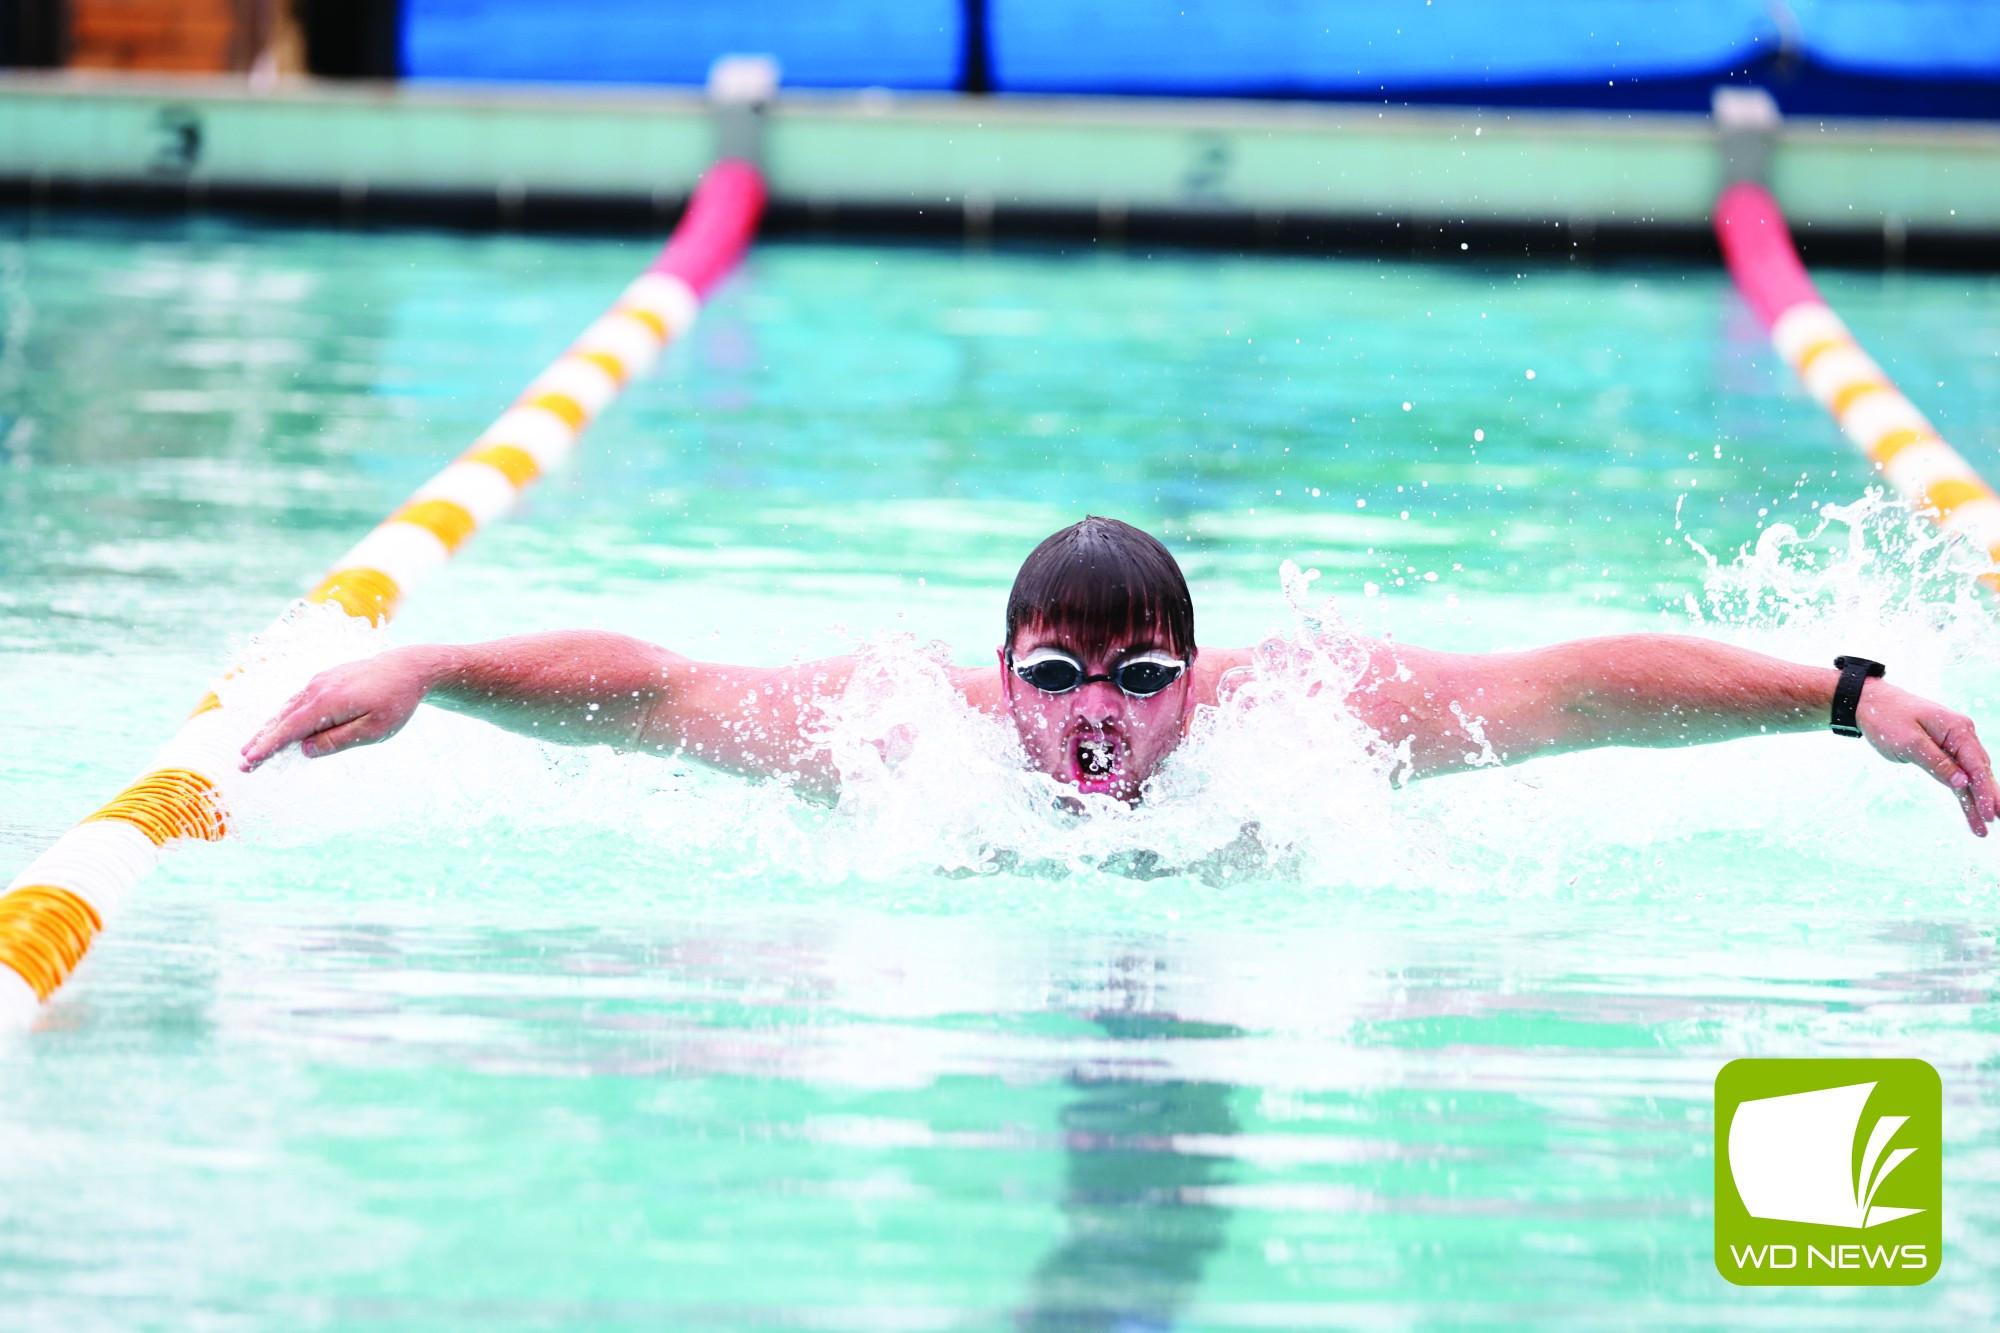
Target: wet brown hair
[1101,578]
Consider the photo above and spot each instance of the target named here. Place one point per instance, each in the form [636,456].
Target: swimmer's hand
[358,703]
[1910,729]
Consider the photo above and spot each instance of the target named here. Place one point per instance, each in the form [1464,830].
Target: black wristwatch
[1854,673]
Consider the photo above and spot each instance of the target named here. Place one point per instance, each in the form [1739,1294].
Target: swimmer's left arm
[1650,690]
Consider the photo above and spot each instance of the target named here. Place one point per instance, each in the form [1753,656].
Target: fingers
[1975,818]
[1956,737]
[304,717]
[1928,755]
[358,731]
[256,743]
[274,736]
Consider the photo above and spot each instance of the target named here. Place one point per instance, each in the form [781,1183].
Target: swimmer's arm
[1648,690]
[575,687]
[757,721]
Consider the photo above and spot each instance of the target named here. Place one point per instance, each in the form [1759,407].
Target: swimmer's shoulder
[1387,669]
[980,686]
[1210,666]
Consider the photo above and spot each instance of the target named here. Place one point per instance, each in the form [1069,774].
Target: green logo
[1829,1172]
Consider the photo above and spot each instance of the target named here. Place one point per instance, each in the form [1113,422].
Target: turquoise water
[463,1032]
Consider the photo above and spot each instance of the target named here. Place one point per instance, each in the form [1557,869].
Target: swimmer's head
[1099,578]
[1099,599]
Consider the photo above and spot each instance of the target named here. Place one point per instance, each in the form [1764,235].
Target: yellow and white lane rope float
[55,907]
[1902,444]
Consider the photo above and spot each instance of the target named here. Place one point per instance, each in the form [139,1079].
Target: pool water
[468,1032]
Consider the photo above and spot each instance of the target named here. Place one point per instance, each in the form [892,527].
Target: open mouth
[1096,759]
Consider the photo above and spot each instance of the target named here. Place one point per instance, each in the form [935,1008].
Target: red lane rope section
[1758,247]
[718,225]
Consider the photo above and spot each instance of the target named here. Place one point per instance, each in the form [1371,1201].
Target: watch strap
[1854,673]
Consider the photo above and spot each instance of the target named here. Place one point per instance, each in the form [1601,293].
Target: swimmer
[1101,677]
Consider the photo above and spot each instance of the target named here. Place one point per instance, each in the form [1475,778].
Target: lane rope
[1904,447]
[60,902]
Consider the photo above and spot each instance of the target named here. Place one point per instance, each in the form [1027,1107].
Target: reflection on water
[1136,1203]
[946,1121]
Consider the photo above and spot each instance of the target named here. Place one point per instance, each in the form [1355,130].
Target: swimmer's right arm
[576,687]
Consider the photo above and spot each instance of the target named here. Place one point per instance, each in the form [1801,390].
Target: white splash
[1277,779]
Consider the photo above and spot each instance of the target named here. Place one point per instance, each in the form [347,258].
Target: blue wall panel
[1304,46]
[1845,56]
[1954,39]
[818,43]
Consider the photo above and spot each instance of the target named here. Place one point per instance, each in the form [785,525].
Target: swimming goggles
[1053,671]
